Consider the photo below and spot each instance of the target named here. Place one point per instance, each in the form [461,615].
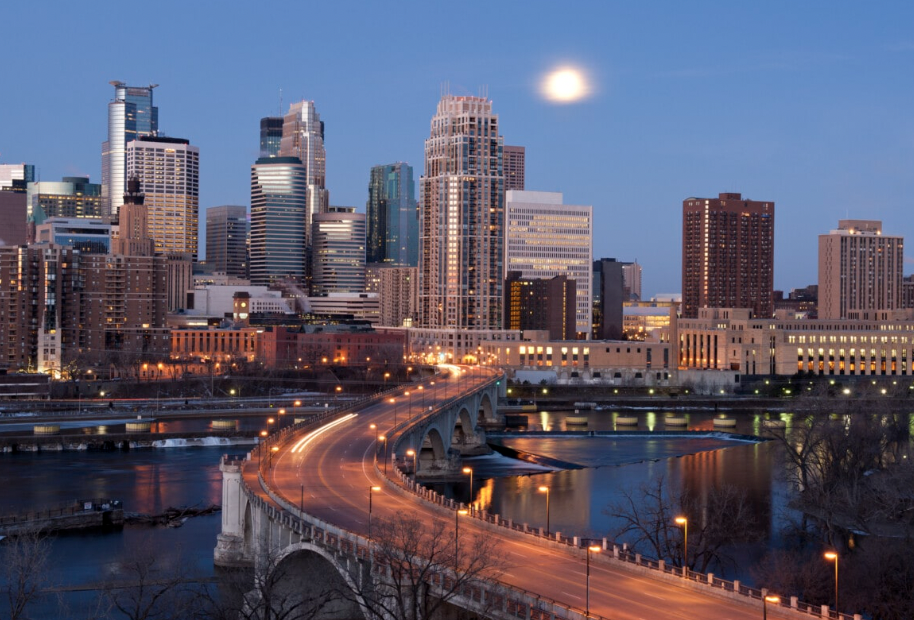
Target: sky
[807,104]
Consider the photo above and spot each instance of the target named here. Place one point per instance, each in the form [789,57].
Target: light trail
[302,443]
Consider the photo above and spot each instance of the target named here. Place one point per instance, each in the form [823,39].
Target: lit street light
[768,598]
[469,471]
[590,549]
[415,456]
[273,451]
[832,556]
[384,439]
[457,514]
[545,489]
[685,544]
[370,491]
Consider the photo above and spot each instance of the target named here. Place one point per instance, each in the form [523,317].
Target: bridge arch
[303,576]
[486,407]
[247,531]
[433,452]
[464,428]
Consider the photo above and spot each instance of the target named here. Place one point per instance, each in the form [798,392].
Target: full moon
[565,85]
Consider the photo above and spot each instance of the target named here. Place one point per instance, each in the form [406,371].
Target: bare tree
[23,575]
[419,568]
[716,520]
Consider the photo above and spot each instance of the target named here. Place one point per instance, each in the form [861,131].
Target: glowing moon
[565,85]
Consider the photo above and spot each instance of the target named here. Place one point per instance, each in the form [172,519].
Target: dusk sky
[807,104]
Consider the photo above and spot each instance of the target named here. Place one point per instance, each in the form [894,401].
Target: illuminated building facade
[461,218]
[727,254]
[397,293]
[169,173]
[270,135]
[227,240]
[71,197]
[541,304]
[338,252]
[545,238]
[860,271]
[303,137]
[130,116]
[278,220]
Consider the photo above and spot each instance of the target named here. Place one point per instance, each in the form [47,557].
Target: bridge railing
[618,554]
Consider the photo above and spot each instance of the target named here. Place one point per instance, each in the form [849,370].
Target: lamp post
[273,451]
[590,549]
[768,598]
[685,544]
[832,556]
[469,471]
[386,377]
[409,409]
[370,491]
[457,514]
[415,456]
[339,389]
[545,489]
[384,439]
[393,402]
[282,413]
[374,427]
[263,436]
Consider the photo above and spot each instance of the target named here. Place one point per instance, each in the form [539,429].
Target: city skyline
[822,126]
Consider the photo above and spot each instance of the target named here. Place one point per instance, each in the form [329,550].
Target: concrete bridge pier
[231,550]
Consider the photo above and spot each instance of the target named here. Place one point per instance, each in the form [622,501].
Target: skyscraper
[130,116]
[226,239]
[608,297]
[461,218]
[546,304]
[71,197]
[515,167]
[727,254]
[860,271]
[303,137]
[393,216]
[278,219]
[338,251]
[545,238]
[270,135]
[169,173]
[16,177]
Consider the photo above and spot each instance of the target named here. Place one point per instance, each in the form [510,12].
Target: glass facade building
[270,136]
[303,137]
[227,230]
[86,235]
[392,216]
[278,220]
[130,116]
[338,252]
[71,197]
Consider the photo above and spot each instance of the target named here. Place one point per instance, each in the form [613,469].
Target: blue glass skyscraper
[130,116]
[393,216]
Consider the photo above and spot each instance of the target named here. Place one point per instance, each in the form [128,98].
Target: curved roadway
[336,470]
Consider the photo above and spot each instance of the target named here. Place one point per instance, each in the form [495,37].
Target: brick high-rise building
[397,294]
[462,218]
[541,304]
[727,254]
[860,271]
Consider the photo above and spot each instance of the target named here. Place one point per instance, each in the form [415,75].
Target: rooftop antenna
[280,101]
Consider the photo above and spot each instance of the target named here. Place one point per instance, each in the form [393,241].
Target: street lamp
[768,598]
[469,471]
[386,377]
[370,491]
[457,514]
[685,545]
[832,556]
[273,451]
[394,403]
[590,549]
[339,389]
[409,409]
[415,456]
[545,489]
[374,427]
[384,439]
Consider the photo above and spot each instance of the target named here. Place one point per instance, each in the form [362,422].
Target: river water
[150,480]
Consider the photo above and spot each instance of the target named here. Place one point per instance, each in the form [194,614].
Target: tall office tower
[727,254]
[226,239]
[270,135]
[16,177]
[545,238]
[14,229]
[461,218]
[130,116]
[515,167]
[338,252]
[860,271]
[303,137]
[608,297]
[393,216]
[169,173]
[546,304]
[397,293]
[631,281]
[279,191]
[71,197]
